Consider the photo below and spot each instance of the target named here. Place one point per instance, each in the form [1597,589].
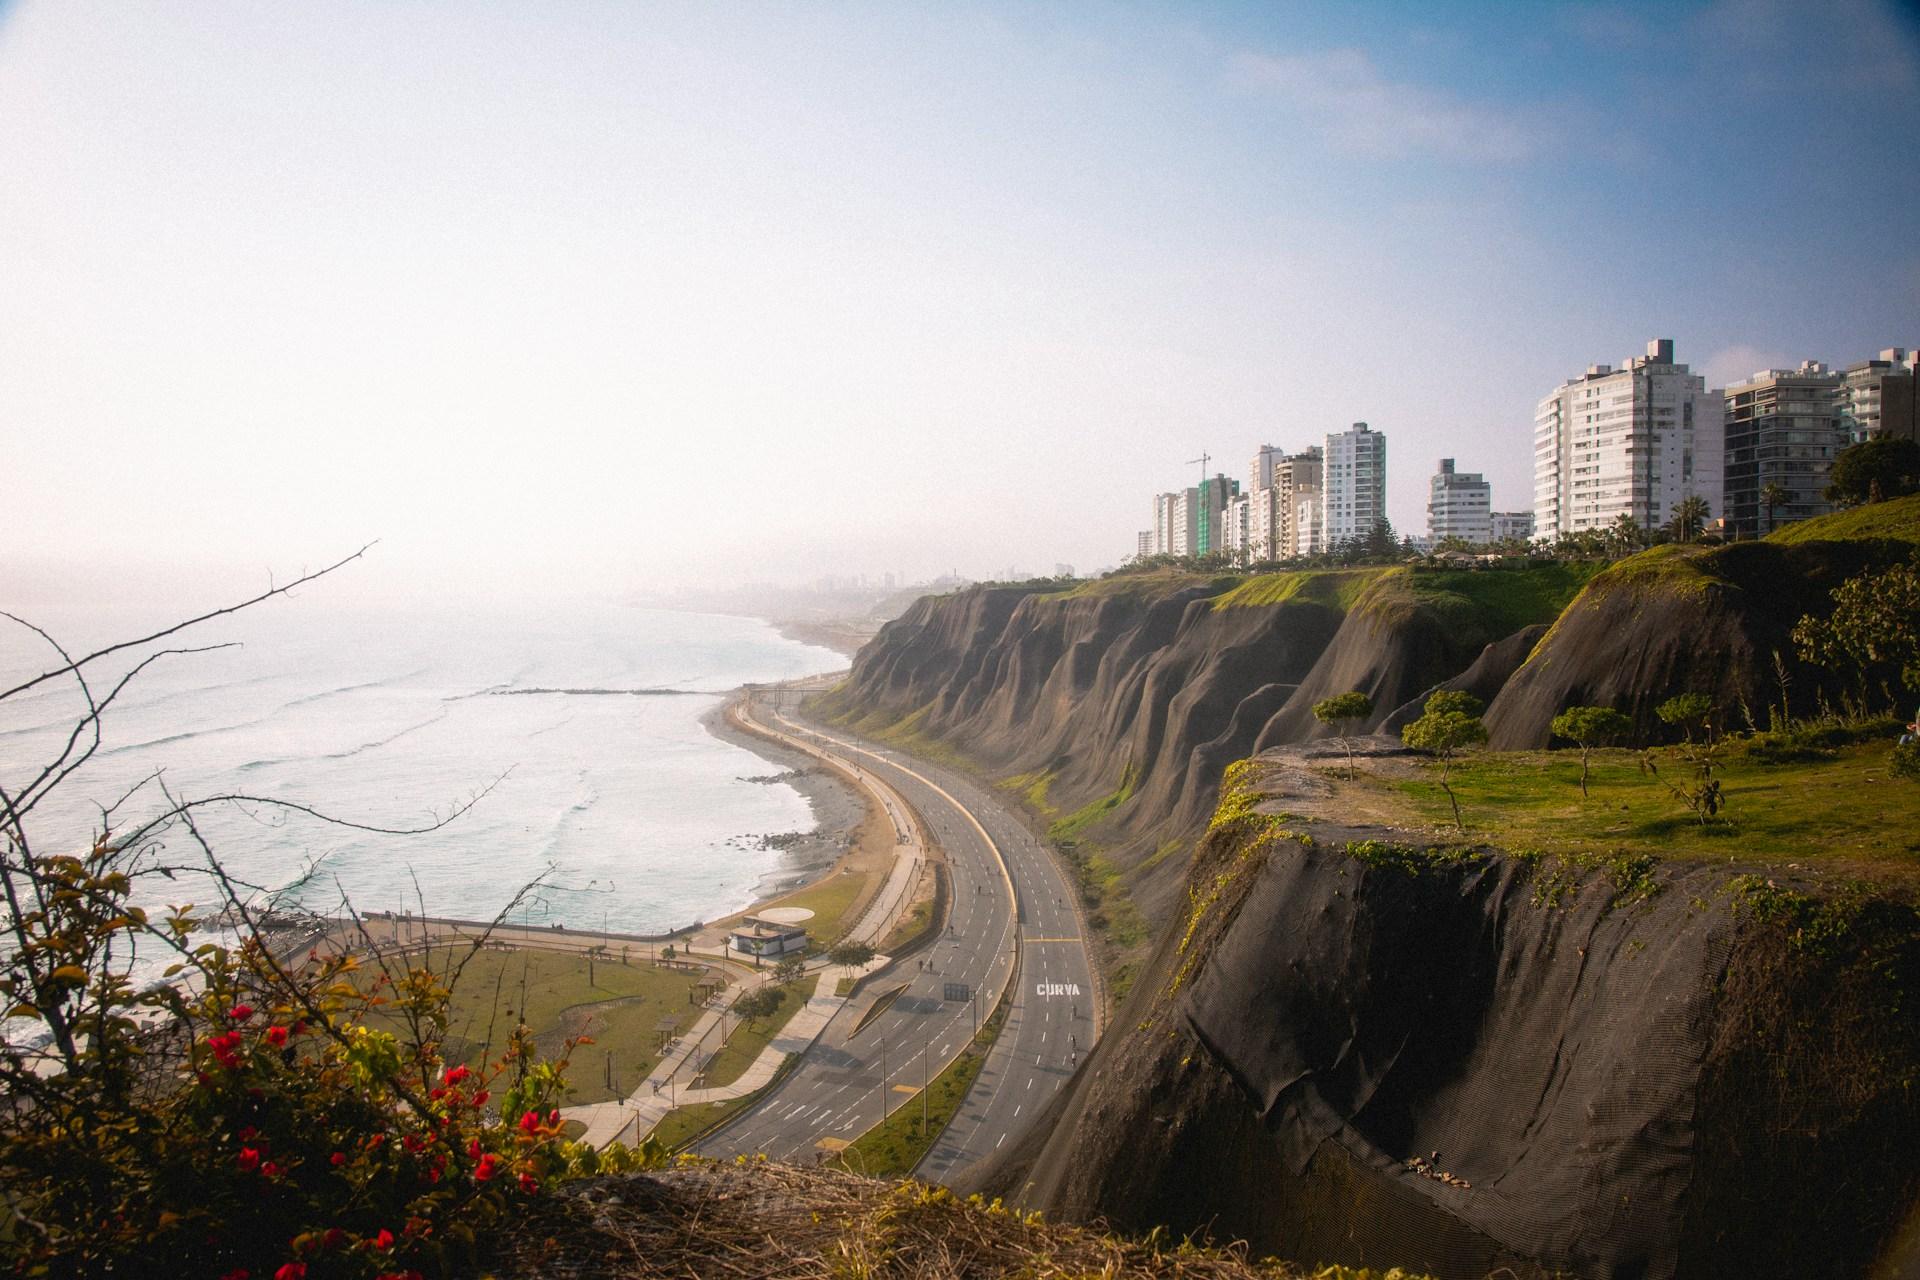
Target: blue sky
[603,294]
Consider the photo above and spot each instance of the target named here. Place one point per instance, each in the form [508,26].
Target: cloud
[1360,109]
[1737,363]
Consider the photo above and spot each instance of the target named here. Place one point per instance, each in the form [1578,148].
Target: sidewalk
[632,1118]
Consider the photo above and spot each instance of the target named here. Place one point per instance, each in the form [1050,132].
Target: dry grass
[749,1220]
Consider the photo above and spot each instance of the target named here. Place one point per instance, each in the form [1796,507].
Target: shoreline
[837,807]
[844,637]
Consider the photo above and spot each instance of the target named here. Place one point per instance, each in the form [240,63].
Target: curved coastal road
[1003,886]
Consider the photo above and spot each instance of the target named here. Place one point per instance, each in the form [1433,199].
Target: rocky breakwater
[1457,1060]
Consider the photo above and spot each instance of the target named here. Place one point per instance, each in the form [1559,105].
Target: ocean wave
[392,737]
[355,688]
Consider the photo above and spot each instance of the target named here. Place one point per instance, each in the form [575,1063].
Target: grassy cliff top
[1898,519]
[1150,582]
[1842,806]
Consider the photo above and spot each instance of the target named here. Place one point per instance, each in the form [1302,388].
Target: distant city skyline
[584,298]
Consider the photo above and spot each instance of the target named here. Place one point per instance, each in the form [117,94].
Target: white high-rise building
[1163,523]
[1183,534]
[1260,471]
[1512,526]
[1234,527]
[1308,535]
[1630,441]
[1459,505]
[1143,545]
[1354,490]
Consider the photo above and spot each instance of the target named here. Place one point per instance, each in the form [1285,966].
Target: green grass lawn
[618,1010]
[832,901]
[750,1038]
[1845,808]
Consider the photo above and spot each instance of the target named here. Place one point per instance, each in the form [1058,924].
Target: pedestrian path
[632,1118]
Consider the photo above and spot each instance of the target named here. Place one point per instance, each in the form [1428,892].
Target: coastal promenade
[1012,911]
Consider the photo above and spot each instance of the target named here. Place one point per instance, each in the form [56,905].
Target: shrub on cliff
[1590,727]
[1342,713]
[1450,721]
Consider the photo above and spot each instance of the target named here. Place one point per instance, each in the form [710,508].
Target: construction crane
[1203,460]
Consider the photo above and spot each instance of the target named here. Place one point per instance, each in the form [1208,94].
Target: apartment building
[1354,484]
[1631,441]
[1459,505]
[1783,428]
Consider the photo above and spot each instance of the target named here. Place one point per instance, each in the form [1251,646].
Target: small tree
[761,1002]
[789,968]
[851,954]
[1686,712]
[1884,467]
[1450,721]
[1590,727]
[1341,712]
[1874,628]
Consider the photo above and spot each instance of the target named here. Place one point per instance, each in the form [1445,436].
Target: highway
[1003,886]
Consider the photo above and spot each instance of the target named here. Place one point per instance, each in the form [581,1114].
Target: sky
[602,297]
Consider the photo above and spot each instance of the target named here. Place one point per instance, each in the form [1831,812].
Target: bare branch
[73,665]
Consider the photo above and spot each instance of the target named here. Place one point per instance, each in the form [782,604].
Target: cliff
[1460,1060]
[1113,707]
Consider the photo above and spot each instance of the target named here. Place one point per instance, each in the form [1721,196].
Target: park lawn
[835,902]
[619,1010]
[1847,808]
[749,1039]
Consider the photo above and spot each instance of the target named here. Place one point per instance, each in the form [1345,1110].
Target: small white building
[756,937]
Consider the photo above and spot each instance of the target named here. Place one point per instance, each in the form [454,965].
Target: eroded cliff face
[1380,1055]
[1114,707]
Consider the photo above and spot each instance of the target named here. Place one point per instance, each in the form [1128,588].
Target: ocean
[639,819]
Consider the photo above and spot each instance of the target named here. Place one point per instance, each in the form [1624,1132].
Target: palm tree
[1625,532]
[1773,497]
[1689,517]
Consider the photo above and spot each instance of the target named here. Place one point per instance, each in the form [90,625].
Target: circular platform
[785,915]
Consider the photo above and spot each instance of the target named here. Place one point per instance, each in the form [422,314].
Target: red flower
[473,1149]
[553,1117]
[528,1184]
[337,1159]
[530,1123]
[411,1141]
[238,1273]
[457,1074]
[269,1170]
[382,1241]
[488,1166]
[291,1271]
[240,1012]
[333,1238]
[480,1099]
[249,1159]
[276,1036]
[247,1133]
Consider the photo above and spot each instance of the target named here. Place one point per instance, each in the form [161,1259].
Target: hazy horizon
[586,298]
